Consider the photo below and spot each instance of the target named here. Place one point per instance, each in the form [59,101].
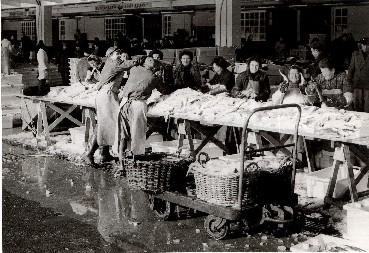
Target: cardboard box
[317,182]
[358,222]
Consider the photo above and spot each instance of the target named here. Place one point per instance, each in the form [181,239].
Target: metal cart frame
[217,221]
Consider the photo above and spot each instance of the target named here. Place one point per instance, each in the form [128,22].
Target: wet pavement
[52,205]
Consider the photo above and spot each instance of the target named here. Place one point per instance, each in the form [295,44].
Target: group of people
[121,101]
[123,86]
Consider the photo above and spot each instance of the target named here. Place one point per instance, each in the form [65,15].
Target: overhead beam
[17,2]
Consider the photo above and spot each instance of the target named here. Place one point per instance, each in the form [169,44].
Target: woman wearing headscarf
[223,80]
[107,104]
[331,88]
[292,89]
[94,71]
[252,83]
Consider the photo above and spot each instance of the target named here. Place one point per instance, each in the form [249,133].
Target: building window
[253,23]
[340,21]
[61,29]
[114,25]
[167,25]
[29,28]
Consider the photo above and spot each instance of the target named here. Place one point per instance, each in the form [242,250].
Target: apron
[131,125]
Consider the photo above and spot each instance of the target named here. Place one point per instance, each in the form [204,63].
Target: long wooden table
[358,146]
[44,127]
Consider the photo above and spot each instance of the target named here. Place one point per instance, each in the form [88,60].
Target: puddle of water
[122,216]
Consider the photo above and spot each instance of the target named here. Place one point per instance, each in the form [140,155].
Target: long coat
[107,102]
[358,72]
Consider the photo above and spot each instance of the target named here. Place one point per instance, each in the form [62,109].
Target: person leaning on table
[252,83]
[330,88]
[132,119]
[223,80]
[358,75]
[107,104]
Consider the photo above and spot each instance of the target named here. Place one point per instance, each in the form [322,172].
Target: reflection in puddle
[122,216]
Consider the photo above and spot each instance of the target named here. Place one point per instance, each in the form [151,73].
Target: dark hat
[364,41]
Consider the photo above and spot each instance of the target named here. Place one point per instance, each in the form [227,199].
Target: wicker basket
[278,182]
[223,190]
[260,184]
[156,172]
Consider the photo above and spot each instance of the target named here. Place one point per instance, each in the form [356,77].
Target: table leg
[309,154]
[341,156]
[45,123]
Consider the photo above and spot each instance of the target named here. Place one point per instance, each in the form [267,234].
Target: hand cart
[219,217]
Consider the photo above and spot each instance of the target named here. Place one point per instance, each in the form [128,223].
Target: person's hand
[349,97]
[302,80]
[285,79]
[323,105]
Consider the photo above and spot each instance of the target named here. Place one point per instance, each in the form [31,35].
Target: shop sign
[123,6]
[18,13]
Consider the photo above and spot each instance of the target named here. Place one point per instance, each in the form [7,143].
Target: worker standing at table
[252,83]
[223,80]
[358,76]
[107,104]
[43,62]
[132,119]
[292,89]
[330,88]
[187,74]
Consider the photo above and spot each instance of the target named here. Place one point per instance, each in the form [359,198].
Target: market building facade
[214,22]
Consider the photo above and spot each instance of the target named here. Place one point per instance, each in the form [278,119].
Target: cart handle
[244,144]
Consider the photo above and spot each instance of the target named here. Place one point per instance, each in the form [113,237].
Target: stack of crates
[205,55]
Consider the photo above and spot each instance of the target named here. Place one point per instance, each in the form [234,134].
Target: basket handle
[127,152]
[203,161]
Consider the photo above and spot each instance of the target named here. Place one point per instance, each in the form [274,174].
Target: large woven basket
[275,184]
[156,172]
[223,190]
[260,184]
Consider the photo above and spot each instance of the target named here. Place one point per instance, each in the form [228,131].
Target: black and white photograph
[184,126]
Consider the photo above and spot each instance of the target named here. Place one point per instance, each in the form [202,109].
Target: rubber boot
[105,155]
[89,156]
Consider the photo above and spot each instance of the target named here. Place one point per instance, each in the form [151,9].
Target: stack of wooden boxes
[11,85]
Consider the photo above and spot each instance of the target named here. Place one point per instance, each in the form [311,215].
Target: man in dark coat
[358,76]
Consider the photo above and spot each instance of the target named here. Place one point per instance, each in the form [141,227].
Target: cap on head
[110,51]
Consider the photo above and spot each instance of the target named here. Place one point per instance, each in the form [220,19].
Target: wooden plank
[63,115]
[45,123]
[309,154]
[275,142]
[351,177]
[332,184]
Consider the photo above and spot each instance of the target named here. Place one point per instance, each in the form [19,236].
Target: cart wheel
[162,208]
[216,227]
[252,219]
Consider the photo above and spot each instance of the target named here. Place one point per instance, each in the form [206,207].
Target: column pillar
[44,23]
[227,23]
[298,25]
